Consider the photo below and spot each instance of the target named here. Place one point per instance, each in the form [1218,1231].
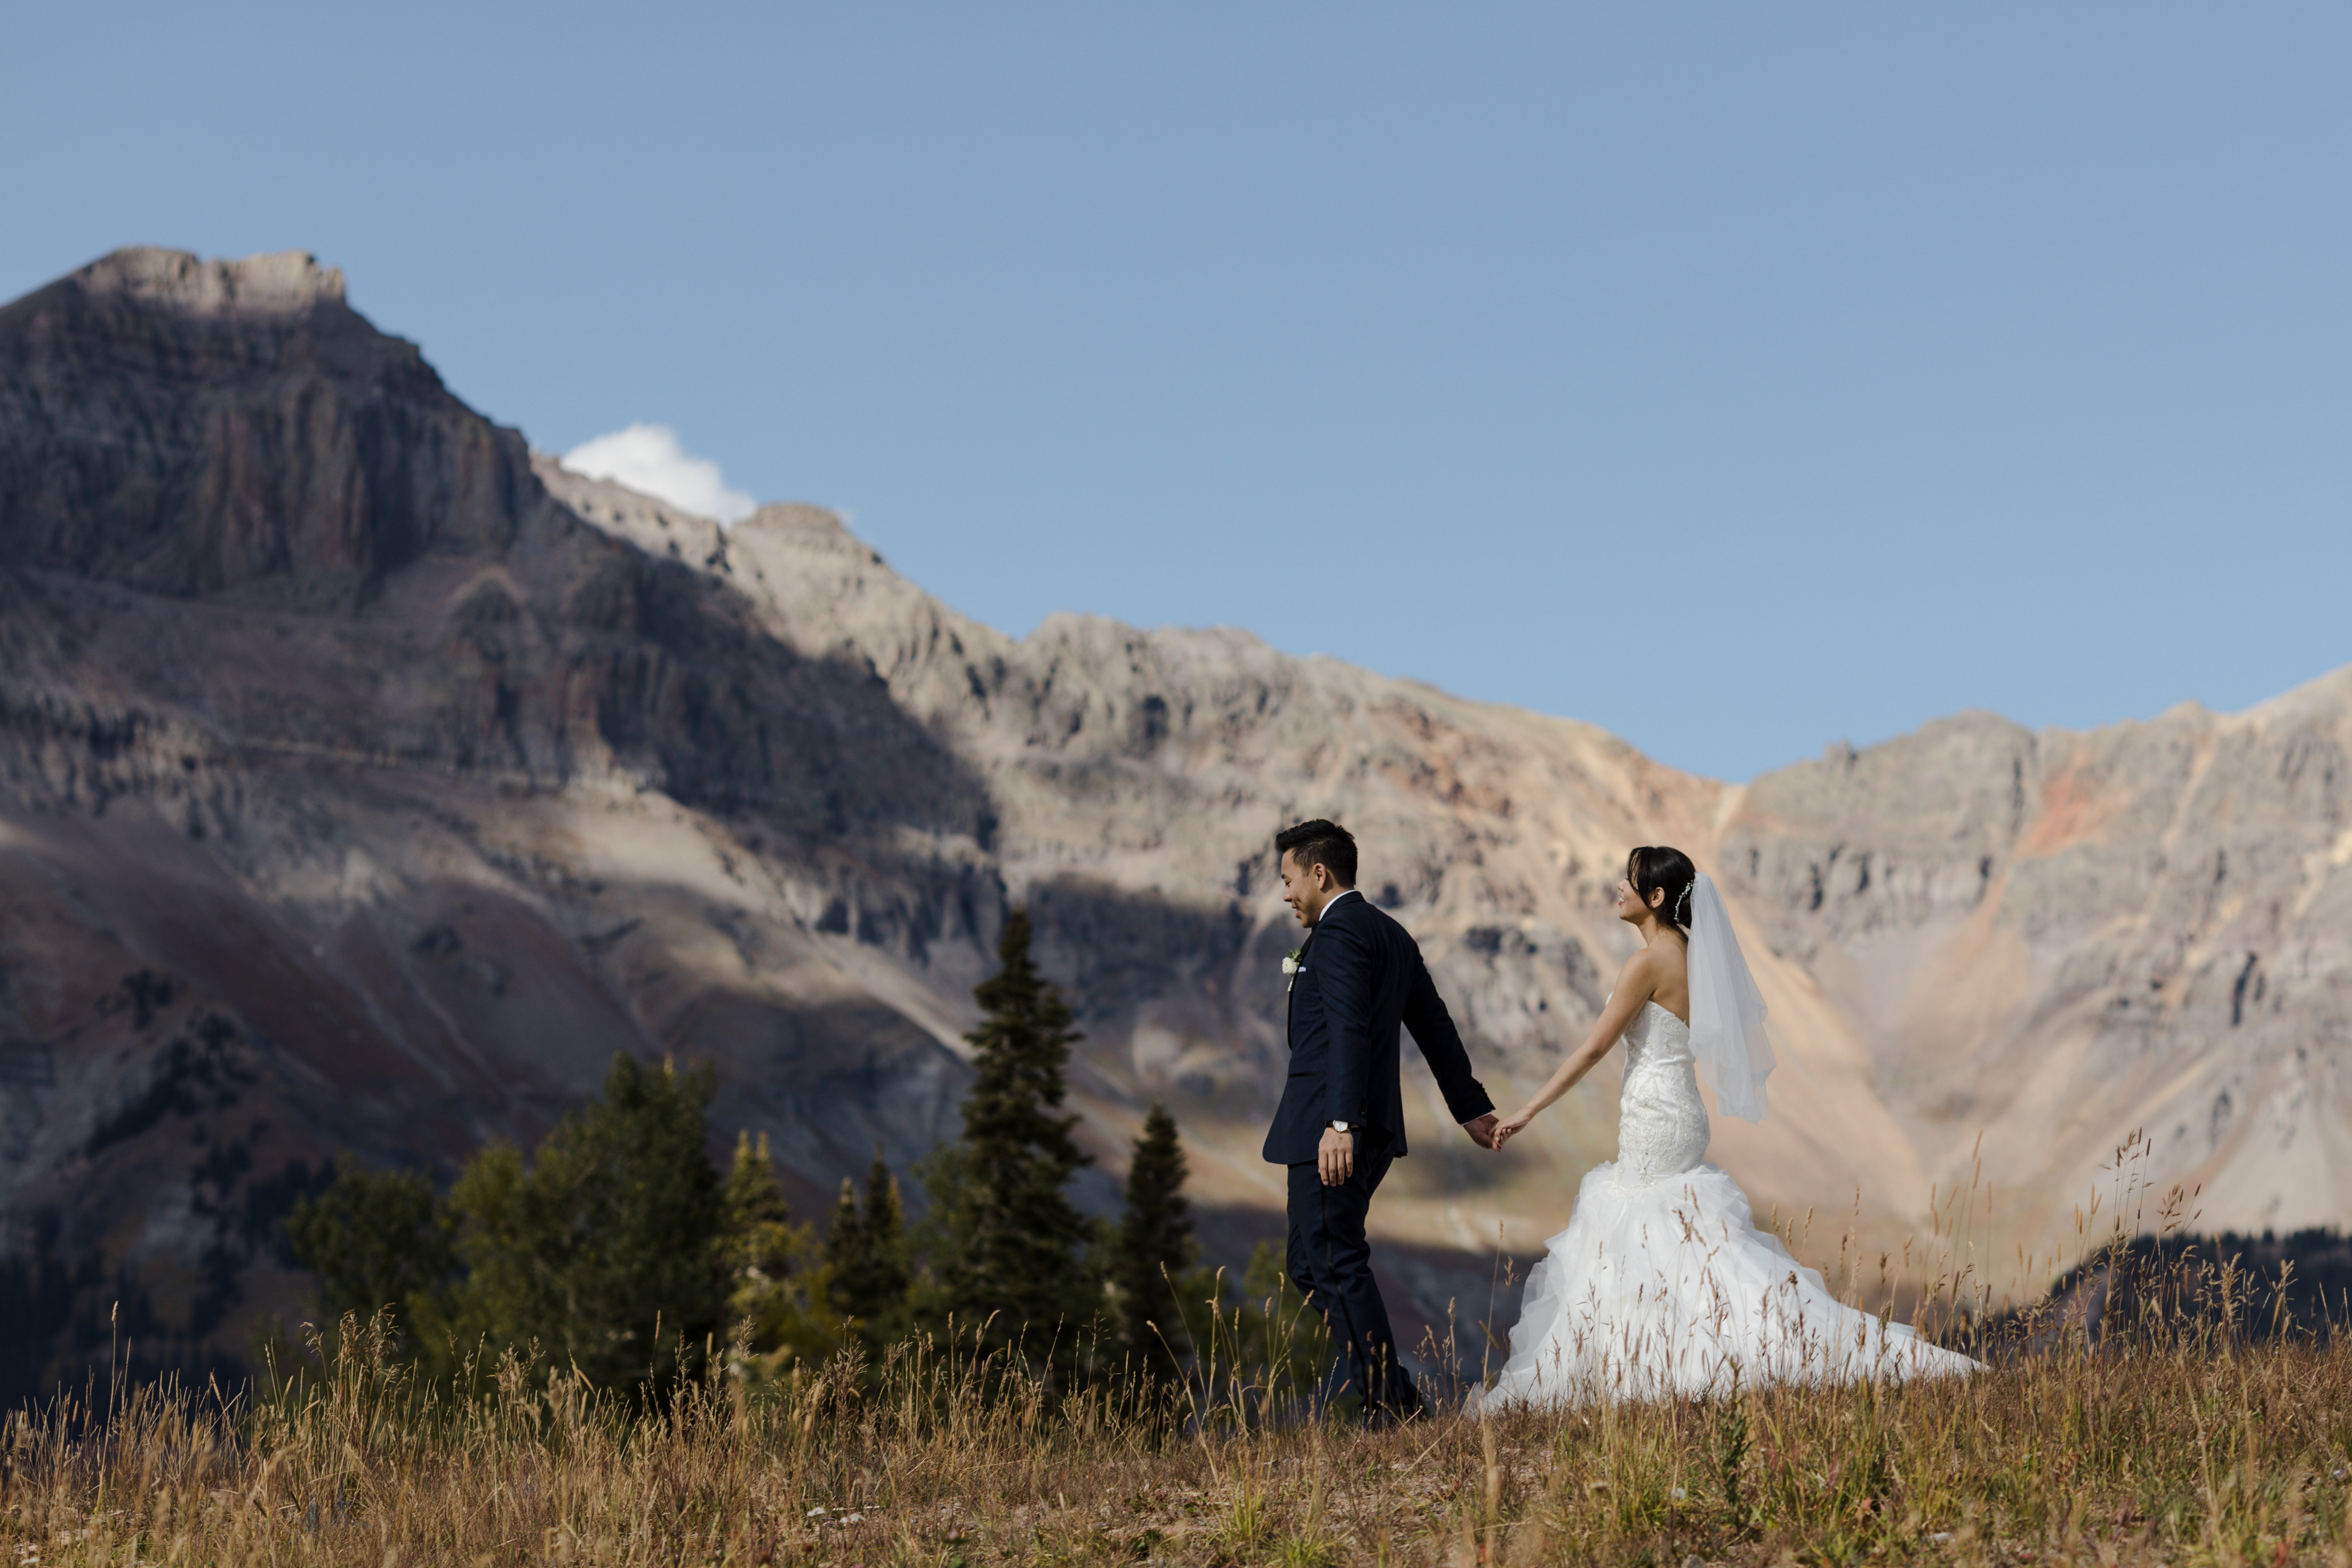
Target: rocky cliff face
[309,695]
[366,781]
[204,427]
[2055,940]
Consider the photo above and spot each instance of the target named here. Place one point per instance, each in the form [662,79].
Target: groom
[1341,1120]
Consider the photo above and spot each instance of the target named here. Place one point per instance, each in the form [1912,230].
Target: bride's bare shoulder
[1641,972]
[1657,974]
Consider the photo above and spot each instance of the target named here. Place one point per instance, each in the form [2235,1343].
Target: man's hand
[1482,1131]
[1335,1157]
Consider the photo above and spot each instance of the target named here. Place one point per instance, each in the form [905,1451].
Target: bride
[1661,1283]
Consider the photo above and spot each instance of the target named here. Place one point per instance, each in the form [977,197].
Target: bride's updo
[1656,866]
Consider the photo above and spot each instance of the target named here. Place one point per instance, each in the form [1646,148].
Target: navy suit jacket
[1361,976]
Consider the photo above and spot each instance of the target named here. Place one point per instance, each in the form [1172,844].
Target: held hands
[1335,1156]
[1510,1128]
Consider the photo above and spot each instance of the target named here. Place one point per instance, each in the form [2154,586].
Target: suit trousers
[1331,1261]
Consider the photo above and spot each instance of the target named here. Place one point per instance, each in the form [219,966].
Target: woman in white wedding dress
[1663,1284]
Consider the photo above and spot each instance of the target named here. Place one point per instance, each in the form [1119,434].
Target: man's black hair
[1321,842]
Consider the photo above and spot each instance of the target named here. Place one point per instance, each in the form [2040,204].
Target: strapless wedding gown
[1663,1284]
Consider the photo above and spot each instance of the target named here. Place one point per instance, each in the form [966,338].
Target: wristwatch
[1338,1126]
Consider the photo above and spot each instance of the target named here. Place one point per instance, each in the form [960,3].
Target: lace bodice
[1661,1128]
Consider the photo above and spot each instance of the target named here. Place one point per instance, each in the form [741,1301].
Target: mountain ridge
[367,779]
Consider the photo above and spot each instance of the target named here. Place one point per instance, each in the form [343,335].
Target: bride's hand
[1510,1126]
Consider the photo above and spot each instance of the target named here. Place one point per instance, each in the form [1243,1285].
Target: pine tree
[608,1248]
[759,1234]
[1011,1252]
[378,1241]
[866,1276]
[771,1285]
[1155,1248]
[612,1247]
[882,1289]
[845,1244]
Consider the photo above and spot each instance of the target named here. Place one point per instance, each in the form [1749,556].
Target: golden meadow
[2165,1415]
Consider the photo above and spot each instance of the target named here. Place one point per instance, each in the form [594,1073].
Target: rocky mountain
[367,780]
[2055,940]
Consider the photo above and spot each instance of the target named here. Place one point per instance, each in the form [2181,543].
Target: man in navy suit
[1341,1120]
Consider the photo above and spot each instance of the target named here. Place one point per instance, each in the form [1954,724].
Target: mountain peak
[286,283]
[192,428]
[808,528]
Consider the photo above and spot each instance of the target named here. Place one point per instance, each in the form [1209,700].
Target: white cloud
[648,458]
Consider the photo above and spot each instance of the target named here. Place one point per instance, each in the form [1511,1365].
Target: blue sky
[1740,379]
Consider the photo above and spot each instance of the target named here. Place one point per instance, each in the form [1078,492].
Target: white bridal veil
[1727,1022]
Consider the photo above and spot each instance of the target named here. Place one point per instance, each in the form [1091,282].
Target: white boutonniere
[1292,963]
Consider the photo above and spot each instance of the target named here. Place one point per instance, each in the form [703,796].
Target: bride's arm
[1635,985]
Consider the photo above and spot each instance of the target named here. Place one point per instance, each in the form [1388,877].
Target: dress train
[1663,1283]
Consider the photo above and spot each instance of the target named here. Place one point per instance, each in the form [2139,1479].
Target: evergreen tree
[844,1246]
[1012,1253]
[607,1249]
[759,1236]
[612,1245]
[763,1253]
[866,1278]
[885,1226]
[1155,1248]
[376,1240]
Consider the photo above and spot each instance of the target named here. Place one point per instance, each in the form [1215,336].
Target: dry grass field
[2158,1408]
[2184,1447]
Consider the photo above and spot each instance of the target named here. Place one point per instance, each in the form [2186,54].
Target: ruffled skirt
[1670,1288]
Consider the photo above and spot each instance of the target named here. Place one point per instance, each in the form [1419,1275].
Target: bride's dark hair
[1656,866]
